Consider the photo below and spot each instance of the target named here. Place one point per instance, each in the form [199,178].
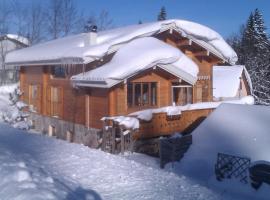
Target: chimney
[91,37]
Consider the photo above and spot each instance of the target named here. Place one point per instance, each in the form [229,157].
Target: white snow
[127,122]
[12,113]
[37,167]
[176,110]
[138,55]
[241,130]
[226,80]
[18,38]
[107,41]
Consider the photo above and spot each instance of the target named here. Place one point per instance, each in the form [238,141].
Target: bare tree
[102,21]
[29,21]
[69,17]
[5,15]
[54,13]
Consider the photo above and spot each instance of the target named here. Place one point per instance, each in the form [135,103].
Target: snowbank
[139,55]
[73,46]
[241,130]
[37,167]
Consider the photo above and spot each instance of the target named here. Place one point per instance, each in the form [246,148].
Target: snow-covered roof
[136,56]
[18,38]
[226,80]
[241,130]
[108,41]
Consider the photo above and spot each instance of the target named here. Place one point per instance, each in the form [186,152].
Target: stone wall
[66,130]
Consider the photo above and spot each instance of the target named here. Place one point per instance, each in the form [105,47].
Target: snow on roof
[241,130]
[18,38]
[73,46]
[226,80]
[139,55]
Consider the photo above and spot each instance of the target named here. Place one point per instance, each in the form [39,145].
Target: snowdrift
[241,130]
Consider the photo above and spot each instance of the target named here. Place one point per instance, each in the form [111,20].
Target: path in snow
[37,167]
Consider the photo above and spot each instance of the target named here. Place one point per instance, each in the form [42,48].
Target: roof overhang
[110,82]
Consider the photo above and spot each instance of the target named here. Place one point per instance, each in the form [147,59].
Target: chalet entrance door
[181,95]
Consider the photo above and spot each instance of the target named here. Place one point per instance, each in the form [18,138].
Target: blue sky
[224,16]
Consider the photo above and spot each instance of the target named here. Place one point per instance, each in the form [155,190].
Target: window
[56,101]
[202,91]
[59,72]
[182,95]
[34,100]
[34,91]
[142,94]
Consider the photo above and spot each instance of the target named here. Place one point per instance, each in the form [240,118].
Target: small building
[77,80]
[8,43]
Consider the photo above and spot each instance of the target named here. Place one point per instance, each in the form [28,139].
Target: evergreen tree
[253,49]
[162,14]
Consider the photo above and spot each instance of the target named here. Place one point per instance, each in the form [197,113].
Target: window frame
[144,97]
[62,69]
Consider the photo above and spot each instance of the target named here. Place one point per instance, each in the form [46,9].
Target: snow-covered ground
[38,167]
[33,166]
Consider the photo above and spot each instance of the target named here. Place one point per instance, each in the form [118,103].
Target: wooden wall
[162,125]
[86,106]
[73,101]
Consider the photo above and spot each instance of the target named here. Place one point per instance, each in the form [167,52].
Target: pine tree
[162,14]
[253,49]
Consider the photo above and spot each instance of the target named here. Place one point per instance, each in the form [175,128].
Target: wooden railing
[162,124]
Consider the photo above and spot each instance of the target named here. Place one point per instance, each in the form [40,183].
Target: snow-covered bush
[11,109]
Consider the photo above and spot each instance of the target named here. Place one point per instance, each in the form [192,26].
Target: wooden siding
[87,105]
[162,125]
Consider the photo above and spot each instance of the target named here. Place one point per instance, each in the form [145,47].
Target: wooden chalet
[57,82]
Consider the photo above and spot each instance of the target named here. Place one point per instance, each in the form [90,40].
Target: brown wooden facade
[56,97]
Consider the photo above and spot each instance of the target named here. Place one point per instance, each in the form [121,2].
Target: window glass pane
[129,94]
[54,94]
[153,94]
[199,93]
[34,92]
[59,72]
[145,96]
[138,97]
[189,94]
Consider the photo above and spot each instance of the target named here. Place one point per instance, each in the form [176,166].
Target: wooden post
[131,145]
[122,140]
[103,145]
[113,139]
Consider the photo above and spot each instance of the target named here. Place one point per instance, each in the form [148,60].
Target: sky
[224,16]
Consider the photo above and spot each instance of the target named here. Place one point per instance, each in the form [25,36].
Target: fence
[116,139]
[229,166]
[173,149]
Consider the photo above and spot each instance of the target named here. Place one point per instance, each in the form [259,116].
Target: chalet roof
[136,56]
[73,49]
[226,80]
[15,38]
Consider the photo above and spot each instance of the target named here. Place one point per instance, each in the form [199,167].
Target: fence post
[122,140]
[113,139]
